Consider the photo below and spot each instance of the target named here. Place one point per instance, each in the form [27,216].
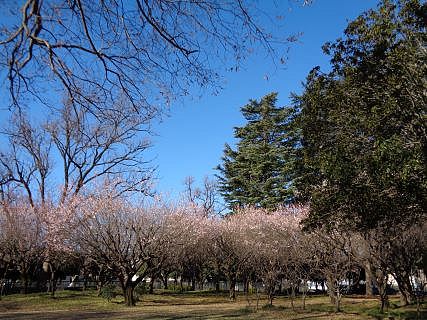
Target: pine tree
[259,171]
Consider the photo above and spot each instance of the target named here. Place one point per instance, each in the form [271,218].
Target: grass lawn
[166,305]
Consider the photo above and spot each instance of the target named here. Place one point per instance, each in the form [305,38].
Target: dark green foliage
[364,123]
[260,171]
[140,290]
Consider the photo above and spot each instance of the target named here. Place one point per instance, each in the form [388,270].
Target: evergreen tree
[364,123]
[259,171]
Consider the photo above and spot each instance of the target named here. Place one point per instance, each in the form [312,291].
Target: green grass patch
[61,300]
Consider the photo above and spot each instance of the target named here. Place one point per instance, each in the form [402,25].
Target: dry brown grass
[86,305]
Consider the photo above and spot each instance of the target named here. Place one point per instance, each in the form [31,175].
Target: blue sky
[191,140]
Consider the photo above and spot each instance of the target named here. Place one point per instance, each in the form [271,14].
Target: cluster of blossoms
[107,235]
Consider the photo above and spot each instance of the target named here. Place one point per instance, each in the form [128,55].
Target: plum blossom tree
[254,243]
[178,245]
[90,148]
[228,250]
[57,237]
[191,250]
[302,263]
[35,234]
[270,238]
[20,238]
[334,260]
[126,239]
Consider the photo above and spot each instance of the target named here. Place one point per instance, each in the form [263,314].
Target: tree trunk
[270,287]
[200,282]
[85,283]
[270,297]
[99,288]
[331,290]
[232,287]
[217,288]
[175,281]
[257,296]
[52,281]
[3,280]
[25,279]
[151,286]
[217,276]
[368,279]
[26,285]
[303,301]
[53,288]
[193,282]
[128,295]
[405,288]
[383,297]
[304,293]
[165,282]
[101,281]
[2,287]
[337,299]
[247,293]
[246,284]
[292,297]
[381,280]
[405,296]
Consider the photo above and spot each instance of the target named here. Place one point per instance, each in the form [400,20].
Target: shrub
[108,292]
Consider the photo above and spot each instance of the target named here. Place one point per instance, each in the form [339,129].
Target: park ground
[70,305]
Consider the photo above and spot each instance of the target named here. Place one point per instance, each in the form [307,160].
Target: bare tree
[190,191]
[392,251]
[26,163]
[205,197]
[141,49]
[209,197]
[110,145]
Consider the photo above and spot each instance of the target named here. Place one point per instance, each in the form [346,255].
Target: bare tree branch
[144,50]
